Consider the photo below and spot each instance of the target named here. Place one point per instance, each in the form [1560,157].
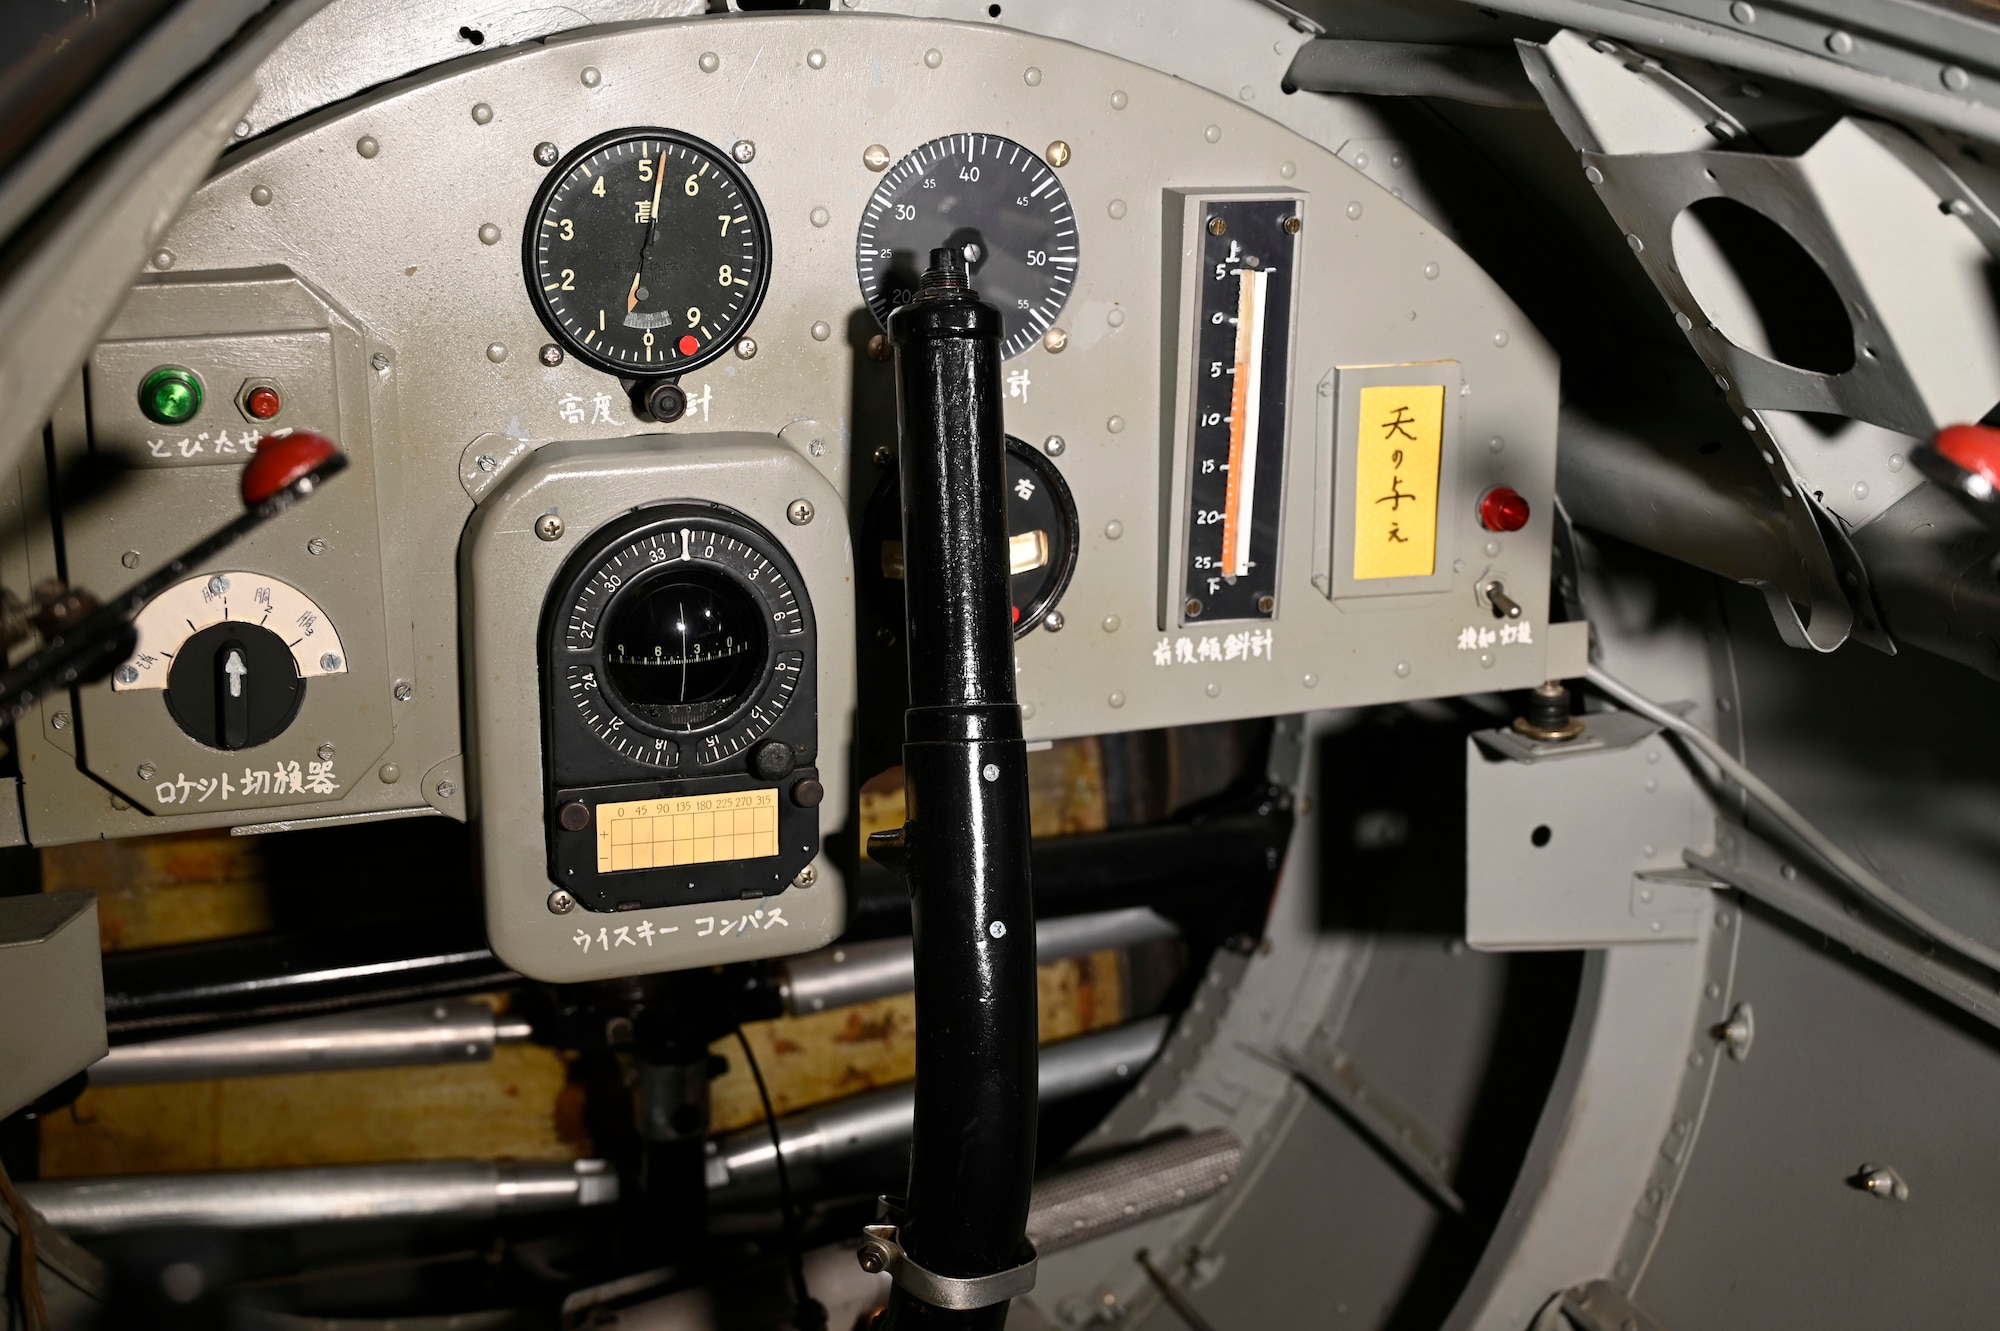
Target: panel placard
[690,829]
[1399,442]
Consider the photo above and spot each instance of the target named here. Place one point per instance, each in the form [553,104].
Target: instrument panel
[1203,310]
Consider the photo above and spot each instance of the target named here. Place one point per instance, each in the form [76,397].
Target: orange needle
[632,296]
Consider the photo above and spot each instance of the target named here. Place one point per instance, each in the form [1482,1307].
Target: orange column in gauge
[1245,402]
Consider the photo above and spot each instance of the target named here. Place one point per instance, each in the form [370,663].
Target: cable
[1176,1300]
[809,1314]
[1846,866]
[34,1312]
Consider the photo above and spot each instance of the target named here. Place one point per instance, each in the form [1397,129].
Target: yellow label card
[1396,481]
[693,829]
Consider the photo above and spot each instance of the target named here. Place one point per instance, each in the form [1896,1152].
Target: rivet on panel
[821,330]
[1310,680]
[1492,549]
[1117,699]
[1032,77]
[1113,530]
[496,352]
[1486,660]
[1212,689]
[1638,245]
[1213,134]
[1500,339]
[1955,78]
[1119,101]
[1116,210]
[709,62]
[1593,175]
[1286,170]
[1115,425]
[816,59]
[1895,462]
[819,217]
[482,114]
[1115,317]
[1111,623]
[389,773]
[1431,271]
[1743,12]
[1054,446]
[260,195]
[367,146]
[591,78]
[489,234]
[163,259]
[1839,43]
[1354,211]
[1683,321]
[242,129]
[1402,670]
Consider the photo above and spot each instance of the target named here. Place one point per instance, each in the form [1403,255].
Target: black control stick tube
[965,845]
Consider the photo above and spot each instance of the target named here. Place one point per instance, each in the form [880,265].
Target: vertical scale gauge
[1245,284]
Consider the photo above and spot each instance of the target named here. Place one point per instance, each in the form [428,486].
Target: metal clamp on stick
[882,1252]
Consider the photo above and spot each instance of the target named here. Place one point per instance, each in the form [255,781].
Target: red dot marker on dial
[688,345]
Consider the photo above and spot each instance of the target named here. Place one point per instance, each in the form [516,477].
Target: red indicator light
[688,345]
[1503,509]
[263,403]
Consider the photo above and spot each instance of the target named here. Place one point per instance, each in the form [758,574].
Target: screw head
[800,512]
[561,902]
[147,771]
[329,662]
[743,150]
[325,752]
[1292,225]
[1058,154]
[546,153]
[127,675]
[884,455]
[875,157]
[808,793]
[486,462]
[1055,339]
[1216,226]
[379,362]
[997,929]
[805,877]
[404,692]
[130,559]
[60,721]
[878,347]
[549,527]
[316,546]
[550,355]
[873,1257]
[1053,621]
[574,816]
[746,348]
[446,789]
[990,772]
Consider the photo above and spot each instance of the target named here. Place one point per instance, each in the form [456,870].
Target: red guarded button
[264,403]
[1973,447]
[1503,509]
[281,461]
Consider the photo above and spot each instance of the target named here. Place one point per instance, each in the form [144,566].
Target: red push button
[1503,509]
[1975,448]
[281,461]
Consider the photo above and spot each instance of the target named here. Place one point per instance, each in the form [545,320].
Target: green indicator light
[170,395]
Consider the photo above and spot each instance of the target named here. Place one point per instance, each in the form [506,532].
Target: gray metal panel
[1850,1068]
[507,569]
[48,967]
[1581,848]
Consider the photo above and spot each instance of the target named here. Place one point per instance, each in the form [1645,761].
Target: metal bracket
[883,1252]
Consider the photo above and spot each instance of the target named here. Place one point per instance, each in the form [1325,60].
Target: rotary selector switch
[233,651]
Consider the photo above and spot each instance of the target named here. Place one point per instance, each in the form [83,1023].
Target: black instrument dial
[993,200]
[683,645]
[647,253]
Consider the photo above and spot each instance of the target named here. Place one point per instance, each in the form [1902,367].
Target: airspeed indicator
[997,203]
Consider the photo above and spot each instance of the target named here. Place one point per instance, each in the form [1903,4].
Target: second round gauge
[996,202]
[647,252]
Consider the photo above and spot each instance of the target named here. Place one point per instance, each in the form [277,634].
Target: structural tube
[965,846]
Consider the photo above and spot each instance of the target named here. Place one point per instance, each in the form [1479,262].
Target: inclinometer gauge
[681,732]
[997,203]
[647,253]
